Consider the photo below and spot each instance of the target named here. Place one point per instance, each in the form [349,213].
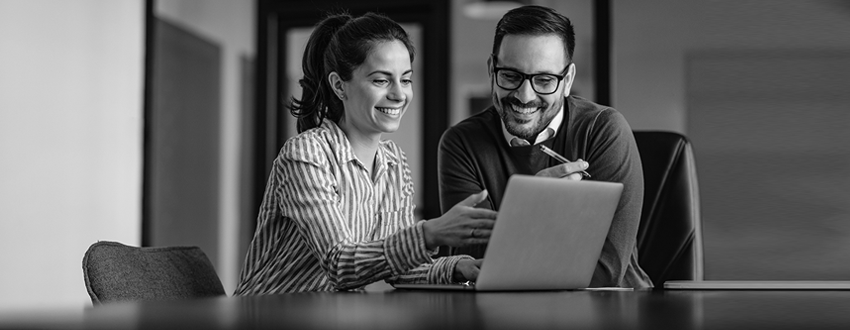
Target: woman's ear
[336,84]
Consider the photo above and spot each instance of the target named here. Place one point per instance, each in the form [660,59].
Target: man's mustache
[514,102]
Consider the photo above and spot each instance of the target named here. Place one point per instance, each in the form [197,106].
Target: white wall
[71,76]
[232,25]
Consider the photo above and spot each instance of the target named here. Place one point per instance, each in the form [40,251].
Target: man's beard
[505,105]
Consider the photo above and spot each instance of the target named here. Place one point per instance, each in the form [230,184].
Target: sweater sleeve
[457,172]
[613,157]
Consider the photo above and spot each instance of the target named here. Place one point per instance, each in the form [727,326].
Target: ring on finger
[472,233]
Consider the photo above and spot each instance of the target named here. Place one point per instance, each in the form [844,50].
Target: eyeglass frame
[526,76]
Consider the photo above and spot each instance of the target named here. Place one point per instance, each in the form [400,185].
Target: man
[531,72]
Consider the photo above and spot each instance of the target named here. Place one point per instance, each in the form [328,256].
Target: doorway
[282,23]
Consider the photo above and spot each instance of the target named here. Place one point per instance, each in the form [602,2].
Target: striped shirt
[325,225]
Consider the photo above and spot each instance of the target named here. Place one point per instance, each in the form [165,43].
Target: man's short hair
[533,21]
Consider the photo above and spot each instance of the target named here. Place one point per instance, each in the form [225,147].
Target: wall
[232,25]
[650,39]
[760,88]
[182,141]
[471,44]
[70,134]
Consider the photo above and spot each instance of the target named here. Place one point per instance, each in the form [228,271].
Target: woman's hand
[462,225]
[467,270]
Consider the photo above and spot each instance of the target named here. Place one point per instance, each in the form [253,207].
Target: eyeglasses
[541,83]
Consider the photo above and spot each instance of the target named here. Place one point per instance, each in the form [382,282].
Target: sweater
[473,155]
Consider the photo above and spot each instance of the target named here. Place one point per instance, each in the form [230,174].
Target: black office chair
[116,272]
[670,233]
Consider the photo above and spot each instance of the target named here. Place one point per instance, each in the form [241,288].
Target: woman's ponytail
[317,96]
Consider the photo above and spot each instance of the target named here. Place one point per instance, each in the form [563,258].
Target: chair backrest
[117,272]
[670,233]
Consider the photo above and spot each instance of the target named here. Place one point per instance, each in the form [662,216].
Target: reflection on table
[467,310]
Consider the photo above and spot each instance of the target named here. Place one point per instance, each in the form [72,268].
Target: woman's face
[380,89]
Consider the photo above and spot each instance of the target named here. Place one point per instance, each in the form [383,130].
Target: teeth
[524,111]
[390,111]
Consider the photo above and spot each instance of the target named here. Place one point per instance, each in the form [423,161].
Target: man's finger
[570,168]
[562,170]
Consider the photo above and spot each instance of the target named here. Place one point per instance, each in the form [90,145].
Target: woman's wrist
[457,272]
[429,236]
[457,275]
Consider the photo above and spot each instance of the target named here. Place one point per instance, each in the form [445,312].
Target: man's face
[524,111]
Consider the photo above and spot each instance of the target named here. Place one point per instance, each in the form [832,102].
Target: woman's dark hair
[535,20]
[340,43]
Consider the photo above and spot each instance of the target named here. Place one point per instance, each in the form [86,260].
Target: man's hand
[467,270]
[462,225]
[569,171]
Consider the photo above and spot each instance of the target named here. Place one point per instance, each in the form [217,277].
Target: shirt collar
[345,153]
[547,133]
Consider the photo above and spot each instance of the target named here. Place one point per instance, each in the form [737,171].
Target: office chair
[116,272]
[670,233]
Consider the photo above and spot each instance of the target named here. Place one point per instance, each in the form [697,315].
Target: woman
[338,207]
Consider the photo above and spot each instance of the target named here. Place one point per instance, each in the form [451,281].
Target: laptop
[548,236]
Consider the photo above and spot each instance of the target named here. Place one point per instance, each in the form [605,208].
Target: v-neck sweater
[473,155]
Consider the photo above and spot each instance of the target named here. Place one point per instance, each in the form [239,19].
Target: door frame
[275,17]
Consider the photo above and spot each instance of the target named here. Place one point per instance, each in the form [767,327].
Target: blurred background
[155,122]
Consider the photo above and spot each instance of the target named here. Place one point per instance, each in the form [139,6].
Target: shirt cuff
[443,270]
[406,249]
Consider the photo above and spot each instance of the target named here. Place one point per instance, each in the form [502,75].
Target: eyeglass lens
[541,83]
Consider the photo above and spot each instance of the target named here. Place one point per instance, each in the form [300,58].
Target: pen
[560,158]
